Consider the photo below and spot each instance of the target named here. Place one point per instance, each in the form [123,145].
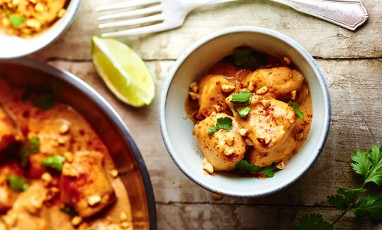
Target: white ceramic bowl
[14,47]
[193,63]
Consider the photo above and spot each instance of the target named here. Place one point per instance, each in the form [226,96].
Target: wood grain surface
[350,61]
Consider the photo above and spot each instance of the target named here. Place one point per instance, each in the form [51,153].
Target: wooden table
[350,61]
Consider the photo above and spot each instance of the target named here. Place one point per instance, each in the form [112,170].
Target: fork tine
[138,31]
[131,13]
[132,22]
[126,4]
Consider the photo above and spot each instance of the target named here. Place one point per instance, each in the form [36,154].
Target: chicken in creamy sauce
[252,112]
[55,172]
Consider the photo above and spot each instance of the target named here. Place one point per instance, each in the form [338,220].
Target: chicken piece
[55,138]
[280,82]
[9,132]
[84,184]
[211,95]
[27,209]
[7,196]
[282,153]
[223,149]
[268,124]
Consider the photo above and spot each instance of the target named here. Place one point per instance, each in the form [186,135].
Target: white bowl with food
[245,111]
[64,165]
[28,26]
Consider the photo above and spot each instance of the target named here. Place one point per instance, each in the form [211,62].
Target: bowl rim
[51,37]
[94,96]
[233,30]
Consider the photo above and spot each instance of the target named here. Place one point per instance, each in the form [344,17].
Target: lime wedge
[123,71]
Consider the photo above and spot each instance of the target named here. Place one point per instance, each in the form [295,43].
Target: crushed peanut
[228,151]
[299,136]
[94,200]
[194,96]
[262,90]
[114,173]
[266,103]
[123,216]
[124,225]
[216,196]
[33,23]
[76,221]
[68,156]
[242,132]
[287,60]
[46,178]
[280,165]
[227,88]
[207,166]
[61,140]
[229,140]
[61,13]
[64,128]
[250,86]
[293,95]
[248,142]
[194,87]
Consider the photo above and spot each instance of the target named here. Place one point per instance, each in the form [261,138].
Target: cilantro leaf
[243,112]
[16,20]
[369,165]
[246,57]
[30,145]
[296,108]
[70,211]
[313,222]
[269,171]
[44,101]
[221,123]
[17,184]
[245,167]
[55,162]
[369,205]
[241,97]
[345,198]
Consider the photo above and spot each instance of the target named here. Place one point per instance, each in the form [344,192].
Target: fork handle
[349,14]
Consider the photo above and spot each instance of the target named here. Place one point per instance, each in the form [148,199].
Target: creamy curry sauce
[85,194]
[264,130]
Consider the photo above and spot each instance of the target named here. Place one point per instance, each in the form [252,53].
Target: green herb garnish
[243,112]
[221,123]
[55,162]
[296,108]
[70,211]
[16,20]
[241,97]
[246,57]
[44,101]
[360,201]
[17,184]
[245,167]
[30,145]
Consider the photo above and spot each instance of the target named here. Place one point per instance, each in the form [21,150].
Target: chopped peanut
[68,156]
[76,221]
[123,216]
[287,60]
[46,178]
[262,90]
[228,151]
[280,165]
[194,96]
[242,132]
[94,200]
[299,136]
[64,128]
[114,173]
[207,166]
[229,140]
[194,87]
[227,88]
[250,86]
[293,95]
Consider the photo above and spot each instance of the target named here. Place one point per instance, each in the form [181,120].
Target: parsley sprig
[221,123]
[242,98]
[360,201]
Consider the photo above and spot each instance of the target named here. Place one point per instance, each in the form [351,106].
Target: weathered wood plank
[355,125]
[255,217]
[320,38]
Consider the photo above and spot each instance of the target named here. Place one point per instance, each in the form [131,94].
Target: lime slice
[123,71]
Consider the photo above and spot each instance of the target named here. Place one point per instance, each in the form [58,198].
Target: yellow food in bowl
[26,18]
[252,112]
[55,171]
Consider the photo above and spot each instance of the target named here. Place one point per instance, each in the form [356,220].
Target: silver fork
[134,17]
